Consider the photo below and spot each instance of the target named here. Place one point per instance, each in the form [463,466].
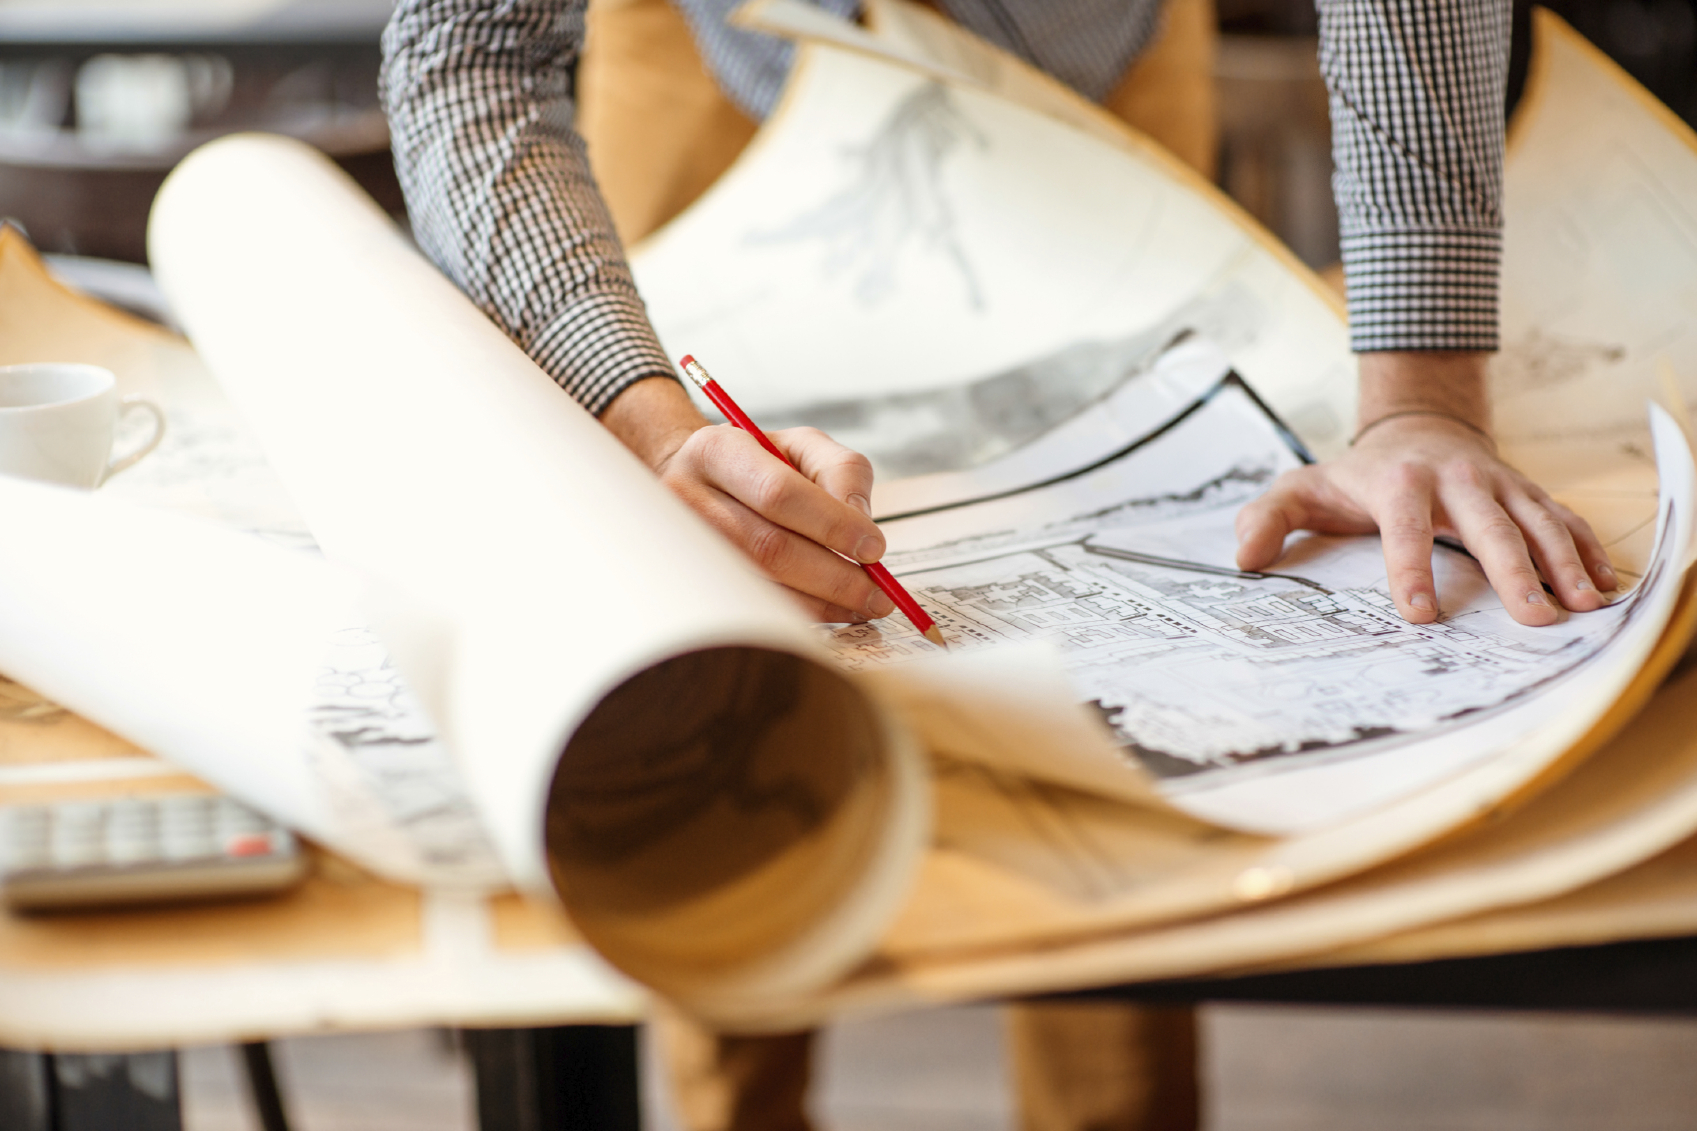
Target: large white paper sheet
[938,275]
[618,687]
[450,461]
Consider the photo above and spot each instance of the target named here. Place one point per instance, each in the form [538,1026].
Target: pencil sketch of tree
[894,200]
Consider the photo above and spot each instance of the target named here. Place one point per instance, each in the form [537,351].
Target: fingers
[1405,531]
[830,586]
[793,529]
[1558,541]
[841,472]
[1514,529]
[734,463]
[1300,499]
[1493,536]
[1589,546]
[1262,527]
[823,611]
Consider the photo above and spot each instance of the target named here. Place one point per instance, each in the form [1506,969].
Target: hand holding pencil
[890,589]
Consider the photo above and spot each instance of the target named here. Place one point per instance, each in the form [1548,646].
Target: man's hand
[1434,471]
[789,522]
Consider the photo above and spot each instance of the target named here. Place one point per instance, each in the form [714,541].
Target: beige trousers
[659,133]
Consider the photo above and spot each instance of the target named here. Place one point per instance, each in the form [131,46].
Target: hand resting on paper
[1424,464]
[789,522]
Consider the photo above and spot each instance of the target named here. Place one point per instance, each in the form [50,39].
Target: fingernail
[1536,597]
[1420,601]
[1606,574]
[862,504]
[1583,584]
[880,606]
[868,549]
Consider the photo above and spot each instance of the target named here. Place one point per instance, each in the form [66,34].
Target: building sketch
[1198,668]
[894,201]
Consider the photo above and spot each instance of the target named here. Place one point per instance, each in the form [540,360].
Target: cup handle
[125,462]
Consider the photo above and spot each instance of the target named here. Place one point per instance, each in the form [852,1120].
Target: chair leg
[262,1086]
[567,1078]
[102,1091]
[25,1102]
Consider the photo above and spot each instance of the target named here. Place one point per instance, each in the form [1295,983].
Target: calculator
[185,846]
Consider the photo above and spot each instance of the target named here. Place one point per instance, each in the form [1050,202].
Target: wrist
[1424,382]
[653,418]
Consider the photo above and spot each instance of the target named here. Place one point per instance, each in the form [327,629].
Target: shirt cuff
[600,347]
[1425,290]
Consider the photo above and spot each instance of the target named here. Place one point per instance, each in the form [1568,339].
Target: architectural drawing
[895,201]
[1198,668]
[1207,675]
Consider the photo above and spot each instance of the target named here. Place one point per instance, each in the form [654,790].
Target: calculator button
[186,844]
[132,832]
[78,837]
[23,838]
[248,844]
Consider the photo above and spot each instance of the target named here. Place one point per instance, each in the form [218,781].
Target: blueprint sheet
[1279,701]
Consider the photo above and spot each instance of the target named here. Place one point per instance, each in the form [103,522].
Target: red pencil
[881,576]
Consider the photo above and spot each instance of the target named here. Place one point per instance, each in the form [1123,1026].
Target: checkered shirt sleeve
[1417,91]
[499,189]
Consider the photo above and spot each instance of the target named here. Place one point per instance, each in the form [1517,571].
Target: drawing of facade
[1199,668]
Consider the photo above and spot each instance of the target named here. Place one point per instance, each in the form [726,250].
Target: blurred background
[99,98]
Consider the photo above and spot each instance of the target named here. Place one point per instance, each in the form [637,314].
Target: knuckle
[769,489]
[1467,474]
[854,461]
[1407,476]
[1500,527]
[769,546]
[1546,525]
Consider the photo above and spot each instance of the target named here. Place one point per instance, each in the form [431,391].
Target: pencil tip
[935,636]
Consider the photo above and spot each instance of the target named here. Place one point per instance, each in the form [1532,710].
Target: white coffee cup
[58,421]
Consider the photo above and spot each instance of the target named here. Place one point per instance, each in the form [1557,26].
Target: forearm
[653,418]
[1416,90]
[499,190]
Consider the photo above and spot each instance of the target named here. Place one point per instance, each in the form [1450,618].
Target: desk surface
[342,951]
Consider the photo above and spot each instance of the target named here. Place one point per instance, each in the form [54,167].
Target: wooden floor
[1268,1068]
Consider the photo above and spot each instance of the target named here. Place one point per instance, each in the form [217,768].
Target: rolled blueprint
[726,802]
